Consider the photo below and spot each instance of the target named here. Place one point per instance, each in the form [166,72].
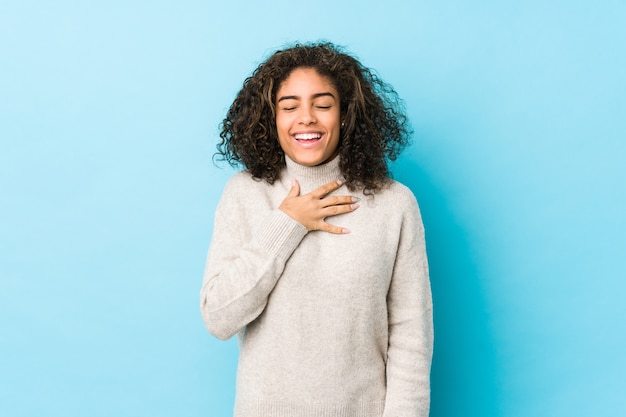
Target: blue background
[109,115]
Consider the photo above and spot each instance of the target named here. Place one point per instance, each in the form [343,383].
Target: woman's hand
[313,208]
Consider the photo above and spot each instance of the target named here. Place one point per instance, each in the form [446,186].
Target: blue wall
[108,119]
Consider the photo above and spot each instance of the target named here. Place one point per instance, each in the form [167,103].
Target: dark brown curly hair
[376,127]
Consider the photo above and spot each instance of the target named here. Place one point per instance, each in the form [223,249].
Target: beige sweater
[328,325]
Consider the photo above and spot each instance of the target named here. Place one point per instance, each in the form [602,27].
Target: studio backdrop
[109,116]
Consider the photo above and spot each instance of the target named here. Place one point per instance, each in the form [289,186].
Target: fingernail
[354,206]
[355,199]
[345,231]
[293,182]
[339,182]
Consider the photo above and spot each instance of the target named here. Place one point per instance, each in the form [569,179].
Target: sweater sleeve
[243,268]
[409,304]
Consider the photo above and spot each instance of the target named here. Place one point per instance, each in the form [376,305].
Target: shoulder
[241,184]
[245,192]
[399,189]
[400,194]
[237,189]
[403,201]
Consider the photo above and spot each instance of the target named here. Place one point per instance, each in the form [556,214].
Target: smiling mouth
[306,137]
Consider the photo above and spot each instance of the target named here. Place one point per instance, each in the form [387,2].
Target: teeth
[307,136]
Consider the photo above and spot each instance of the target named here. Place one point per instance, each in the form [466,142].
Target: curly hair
[376,127]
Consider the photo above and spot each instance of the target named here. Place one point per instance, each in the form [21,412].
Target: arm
[242,268]
[241,271]
[409,305]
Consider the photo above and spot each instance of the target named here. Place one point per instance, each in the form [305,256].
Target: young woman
[330,298]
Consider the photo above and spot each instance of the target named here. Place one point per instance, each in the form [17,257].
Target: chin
[307,160]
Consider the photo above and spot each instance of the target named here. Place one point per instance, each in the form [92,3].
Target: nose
[307,117]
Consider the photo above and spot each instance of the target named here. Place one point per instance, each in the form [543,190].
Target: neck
[310,178]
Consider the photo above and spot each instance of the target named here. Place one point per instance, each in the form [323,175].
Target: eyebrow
[326,93]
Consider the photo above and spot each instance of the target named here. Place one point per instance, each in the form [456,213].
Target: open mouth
[307,137]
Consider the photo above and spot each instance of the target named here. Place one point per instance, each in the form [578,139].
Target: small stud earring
[343,124]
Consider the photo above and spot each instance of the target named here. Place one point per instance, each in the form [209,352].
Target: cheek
[282,131]
[337,119]
[282,124]
[335,124]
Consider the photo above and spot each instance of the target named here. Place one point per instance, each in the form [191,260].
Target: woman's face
[308,117]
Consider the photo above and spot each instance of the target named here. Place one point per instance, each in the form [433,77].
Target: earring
[343,124]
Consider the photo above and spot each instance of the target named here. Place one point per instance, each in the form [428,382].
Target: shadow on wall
[465,379]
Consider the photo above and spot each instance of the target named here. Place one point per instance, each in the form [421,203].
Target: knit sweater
[328,325]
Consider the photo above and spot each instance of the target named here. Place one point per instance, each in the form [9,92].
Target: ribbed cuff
[281,235]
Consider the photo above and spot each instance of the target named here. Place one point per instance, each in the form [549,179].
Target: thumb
[294,191]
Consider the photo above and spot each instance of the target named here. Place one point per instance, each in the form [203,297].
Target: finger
[325,189]
[339,200]
[294,191]
[337,230]
[341,209]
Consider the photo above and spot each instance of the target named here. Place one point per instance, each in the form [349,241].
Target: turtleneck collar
[310,178]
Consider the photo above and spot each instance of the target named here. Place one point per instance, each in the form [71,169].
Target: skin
[308,104]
